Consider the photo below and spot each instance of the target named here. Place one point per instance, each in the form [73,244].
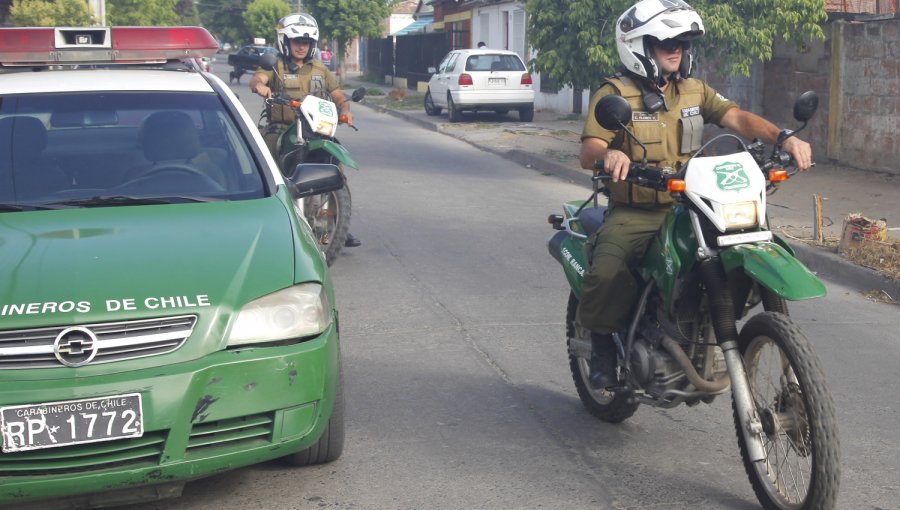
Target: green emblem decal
[325,108]
[731,176]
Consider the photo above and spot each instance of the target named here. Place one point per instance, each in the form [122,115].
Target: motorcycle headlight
[740,215]
[295,312]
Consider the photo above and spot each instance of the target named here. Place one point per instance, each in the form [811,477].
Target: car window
[451,64]
[443,65]
[80,145]
[494,62]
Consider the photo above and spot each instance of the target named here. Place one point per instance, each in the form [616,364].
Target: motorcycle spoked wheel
[328,216]
[802,469]
[609,406]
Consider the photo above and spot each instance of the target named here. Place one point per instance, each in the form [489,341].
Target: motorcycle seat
[592,218]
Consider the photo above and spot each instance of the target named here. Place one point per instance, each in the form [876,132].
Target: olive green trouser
[270,133]
[609,290]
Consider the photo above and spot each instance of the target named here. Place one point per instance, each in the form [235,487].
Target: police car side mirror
[358,94]
[806,105]
[268,61]
[612,112]
[315,179]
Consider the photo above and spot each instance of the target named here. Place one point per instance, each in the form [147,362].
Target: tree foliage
[49,13]
[225,20]
[342,20]
[261,17]
[142,12]
[575,39]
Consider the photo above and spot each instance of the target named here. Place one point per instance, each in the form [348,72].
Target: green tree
[142,12]
[225,20]
[49,13]
[261,17]
[342,20]
[575,39]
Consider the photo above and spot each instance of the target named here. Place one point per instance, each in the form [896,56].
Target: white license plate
[496,81]
[55,424]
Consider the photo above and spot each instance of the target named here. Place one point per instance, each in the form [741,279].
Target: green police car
[165,313]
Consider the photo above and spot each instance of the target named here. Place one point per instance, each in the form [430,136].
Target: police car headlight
[739,215]
[299,311]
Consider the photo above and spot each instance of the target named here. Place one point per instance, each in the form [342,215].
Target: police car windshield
[78,146]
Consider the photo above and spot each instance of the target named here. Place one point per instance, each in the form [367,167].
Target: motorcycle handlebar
[642,175]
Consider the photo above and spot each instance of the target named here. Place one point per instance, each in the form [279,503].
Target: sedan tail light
[526,79]
[465,79]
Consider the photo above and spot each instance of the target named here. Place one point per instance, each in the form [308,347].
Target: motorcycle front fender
[775,269]
[335,149]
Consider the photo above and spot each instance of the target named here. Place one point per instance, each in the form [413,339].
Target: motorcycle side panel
[775,269]
[569,252]
[335,149]
[671,253]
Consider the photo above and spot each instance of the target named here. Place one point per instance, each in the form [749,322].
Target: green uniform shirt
[671,134]
[312,78]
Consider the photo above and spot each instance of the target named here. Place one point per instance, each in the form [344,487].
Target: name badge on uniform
[644,117]
[290,76]
[693,110]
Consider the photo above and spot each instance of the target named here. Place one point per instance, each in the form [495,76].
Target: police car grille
[116,341]
[126,453]
[225,435]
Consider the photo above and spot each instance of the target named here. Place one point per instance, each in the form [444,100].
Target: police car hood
[122,263]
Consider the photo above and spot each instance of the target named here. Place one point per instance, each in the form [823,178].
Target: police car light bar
[43,46]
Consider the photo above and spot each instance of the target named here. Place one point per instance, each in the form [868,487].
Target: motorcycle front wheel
[801,470]
[609,406]
[328,216]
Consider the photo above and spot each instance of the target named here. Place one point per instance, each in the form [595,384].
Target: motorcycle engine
[655,370]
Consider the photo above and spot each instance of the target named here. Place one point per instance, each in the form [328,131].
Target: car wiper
[122,200]
[25,207]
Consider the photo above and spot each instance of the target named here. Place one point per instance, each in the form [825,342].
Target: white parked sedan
[478,80]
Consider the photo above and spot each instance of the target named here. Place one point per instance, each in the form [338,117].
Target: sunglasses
[671,45]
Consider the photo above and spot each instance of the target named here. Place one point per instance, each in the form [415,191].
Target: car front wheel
[430,108]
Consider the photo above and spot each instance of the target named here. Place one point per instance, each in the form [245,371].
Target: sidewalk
[551,143]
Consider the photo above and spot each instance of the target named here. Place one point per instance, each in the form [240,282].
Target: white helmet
[297,26]
[662,19]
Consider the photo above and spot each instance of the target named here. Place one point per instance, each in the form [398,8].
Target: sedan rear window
[494,62]
[68,147]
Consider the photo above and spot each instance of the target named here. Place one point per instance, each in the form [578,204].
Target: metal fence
[380,56]
[415,53]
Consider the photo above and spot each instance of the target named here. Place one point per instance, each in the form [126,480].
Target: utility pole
[98,9]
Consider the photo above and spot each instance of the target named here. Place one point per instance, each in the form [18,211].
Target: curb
[823,263]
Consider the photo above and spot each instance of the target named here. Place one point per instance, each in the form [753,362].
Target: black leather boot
[603,362]
[352,242]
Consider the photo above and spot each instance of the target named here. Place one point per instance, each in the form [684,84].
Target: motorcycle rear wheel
[800,438]
[609,406]
[328,216]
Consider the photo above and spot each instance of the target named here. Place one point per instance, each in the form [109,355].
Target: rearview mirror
[315,179]
[268,61]
[358,94]
[612,112]
[806,106]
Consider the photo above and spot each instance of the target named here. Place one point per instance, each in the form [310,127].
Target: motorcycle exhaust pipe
[700,383]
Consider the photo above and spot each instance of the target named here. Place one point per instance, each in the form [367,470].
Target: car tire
[526,113]
[430,108]
[453,112]
[330,445]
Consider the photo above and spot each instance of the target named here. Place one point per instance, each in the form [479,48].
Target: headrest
[169,136]
[24,137]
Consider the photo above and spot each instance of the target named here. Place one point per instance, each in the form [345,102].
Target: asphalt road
[458,388]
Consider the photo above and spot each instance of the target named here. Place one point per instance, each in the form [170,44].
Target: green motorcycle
[311,139]
[712,263]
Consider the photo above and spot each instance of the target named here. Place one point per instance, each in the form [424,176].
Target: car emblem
[75,347]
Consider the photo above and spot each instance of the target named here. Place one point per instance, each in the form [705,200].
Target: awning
[415,26]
